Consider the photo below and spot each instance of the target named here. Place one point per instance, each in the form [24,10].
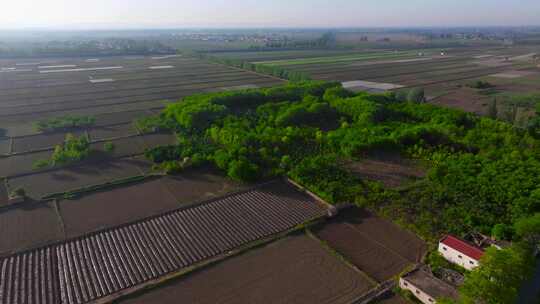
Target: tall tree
[498,278]
[492,110]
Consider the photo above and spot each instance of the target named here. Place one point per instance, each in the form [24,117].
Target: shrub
[109,146]
[19,192]
[416,95]
[40,164]
[65,122]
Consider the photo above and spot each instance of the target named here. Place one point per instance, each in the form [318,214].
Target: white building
[426,287]
[460,252]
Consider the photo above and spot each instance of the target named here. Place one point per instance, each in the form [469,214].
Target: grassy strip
[72,194]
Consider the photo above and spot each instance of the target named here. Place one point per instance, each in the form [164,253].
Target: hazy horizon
[162,14]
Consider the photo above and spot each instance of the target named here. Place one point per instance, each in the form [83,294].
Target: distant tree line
[77,48]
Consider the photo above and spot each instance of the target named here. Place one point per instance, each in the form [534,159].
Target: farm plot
[294,270]
[465,99]
[5,146]
[3,194]
[124,117]
[128,146]
[114,131]
[158,139]
[21,164]
[33,225]
[390,169]
[366,253]
[72,178]
[124,204]
[112,260]
[392,299]
[41,141]
[385,233]
[197,185]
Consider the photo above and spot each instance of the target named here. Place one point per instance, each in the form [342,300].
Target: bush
[74,149]
[19,192]
[66,122]
[479,84]
[416,95]
[243,170]
[109,147]
[40,164]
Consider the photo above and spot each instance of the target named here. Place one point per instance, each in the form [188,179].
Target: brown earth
[158,139]
[366,253]
[385,233]
[464,99]
[5,146]
[200,184]
[392,299]
[294,270]
[115,207]
[3,193]
[389,168]
[21,164]
[115,131]
[41,141]
[72,178]
[31,225]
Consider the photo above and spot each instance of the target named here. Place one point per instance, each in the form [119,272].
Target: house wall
[418,293]
[456,257]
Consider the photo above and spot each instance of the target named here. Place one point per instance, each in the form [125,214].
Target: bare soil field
[385,233]
[3,194]
[366,253]
[112,131]
[72,178]
[465,99]
[123,147]
[513,74]
[200,185]
[294,270]
[158,139]
[390,169]
[41,141]
[127,117]
[122,205]
[21,164]
[392,299]
[33,225]
[5,146]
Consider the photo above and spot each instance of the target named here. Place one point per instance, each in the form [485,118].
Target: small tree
[109,147]
[492,109]
[499,276]
[402,96]
[19,192]
[416,95]
[528,229]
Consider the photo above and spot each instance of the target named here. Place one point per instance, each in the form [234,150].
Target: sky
[80,14]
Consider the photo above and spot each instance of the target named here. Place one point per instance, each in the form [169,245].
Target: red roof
[463,247]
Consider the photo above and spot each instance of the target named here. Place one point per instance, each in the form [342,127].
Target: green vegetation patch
[64,123]
[483,172]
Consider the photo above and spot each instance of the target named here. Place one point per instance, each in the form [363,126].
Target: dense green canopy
[481,172]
